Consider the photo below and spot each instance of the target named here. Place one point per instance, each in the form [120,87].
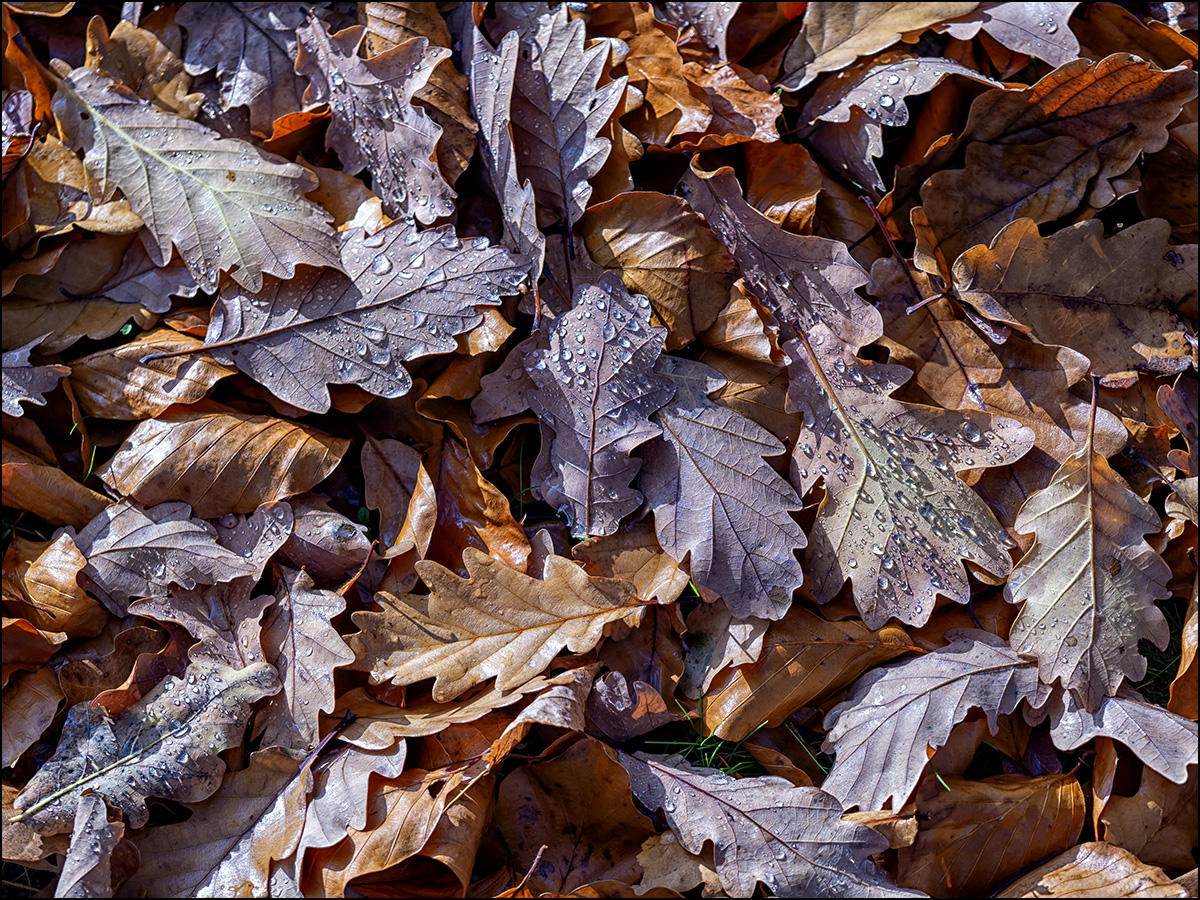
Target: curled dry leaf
[834,35]
[220,461]
[496,622]
[220,201]
[1094,869]
[402,294]
[592,388]
[375,124]
[792,839]
[718,506]
[882,733]
[662,249]
[165,745]
[804,659]
[1090,583]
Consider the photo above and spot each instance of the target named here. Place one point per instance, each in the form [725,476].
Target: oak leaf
[221,201]
[375,124]
[253,48]
[1075,289]
[165,745]
[25,383]
[792,839]
[1162,740]
[87,869]
[1090,583]
[496,622]
[593,390]
[1097,869]
[1039,29]
[894,715]
[717,504]
[402,294]
[135,552]
[897,520]
[1045,150]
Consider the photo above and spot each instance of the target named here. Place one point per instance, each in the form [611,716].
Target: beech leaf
[165,745]
[883,731]
[375,124]
[496,622]
[593,390]
[221,201]
[792,839]
[716,503]
[403,294]
[836,33]
[261,459]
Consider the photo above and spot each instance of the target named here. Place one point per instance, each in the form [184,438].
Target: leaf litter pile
[603,448]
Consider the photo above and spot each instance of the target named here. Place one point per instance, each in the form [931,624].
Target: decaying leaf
[792,839]
[717,504]
[402,294]
[166,745]
[495,623]
[220,201]
[592,389]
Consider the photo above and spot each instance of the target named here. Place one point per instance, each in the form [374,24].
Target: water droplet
[893,79]
[381,265]
[886,101]
[970,432]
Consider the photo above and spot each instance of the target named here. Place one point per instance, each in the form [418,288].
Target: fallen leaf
[1037,29]
[375,124]
[593,391]
[1090,582]
[157,748]
[25,383]
[763,829]
[220,461]
[402,294]
[1094,869]
[717,505]
[893,716]
[495,623]
[230,207]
